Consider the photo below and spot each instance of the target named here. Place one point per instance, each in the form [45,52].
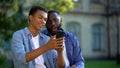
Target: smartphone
[60,34]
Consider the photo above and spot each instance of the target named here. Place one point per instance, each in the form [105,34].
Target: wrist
[47,47]
[60,54]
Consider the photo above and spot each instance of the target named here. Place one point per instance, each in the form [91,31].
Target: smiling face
[53,23]
[38,19]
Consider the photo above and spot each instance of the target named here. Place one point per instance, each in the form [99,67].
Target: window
[96,1]
[76,0]
[98,37]
[74,27]
[77,5]
[115,3]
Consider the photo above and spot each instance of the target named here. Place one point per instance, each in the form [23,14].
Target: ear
[30,17]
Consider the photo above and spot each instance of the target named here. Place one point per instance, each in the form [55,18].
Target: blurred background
[94,22]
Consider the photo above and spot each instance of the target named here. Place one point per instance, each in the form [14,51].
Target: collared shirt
[22,43]
[73,49]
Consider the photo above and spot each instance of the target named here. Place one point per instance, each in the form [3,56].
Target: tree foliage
[60,5]
[5,5]
[10,24]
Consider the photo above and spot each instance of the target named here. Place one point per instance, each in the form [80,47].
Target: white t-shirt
[39,61]
[65,55]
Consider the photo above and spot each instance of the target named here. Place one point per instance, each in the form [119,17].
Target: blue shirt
[22,43]
[73,49]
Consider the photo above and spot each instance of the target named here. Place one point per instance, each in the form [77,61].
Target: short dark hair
[53,11]
[35,8]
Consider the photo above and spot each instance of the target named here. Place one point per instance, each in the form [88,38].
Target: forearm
[60,61]
[35,53]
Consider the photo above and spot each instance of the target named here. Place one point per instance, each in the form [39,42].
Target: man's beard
[51,32]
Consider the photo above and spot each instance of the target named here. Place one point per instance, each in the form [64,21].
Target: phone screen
[59,34]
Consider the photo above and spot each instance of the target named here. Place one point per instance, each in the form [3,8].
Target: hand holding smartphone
[60,34]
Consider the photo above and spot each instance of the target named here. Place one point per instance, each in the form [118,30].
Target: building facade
[95,25]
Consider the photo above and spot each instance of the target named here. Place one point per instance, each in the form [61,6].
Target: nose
[53,23]
[43,21]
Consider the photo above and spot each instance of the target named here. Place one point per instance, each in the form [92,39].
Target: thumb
[53,37]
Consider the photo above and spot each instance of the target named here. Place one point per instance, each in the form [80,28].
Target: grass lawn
[101,64]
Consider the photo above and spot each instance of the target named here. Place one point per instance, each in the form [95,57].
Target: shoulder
[69,34]
[18,32]
[71,37]
[17,37]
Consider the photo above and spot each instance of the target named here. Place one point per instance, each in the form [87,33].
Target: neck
[33,30]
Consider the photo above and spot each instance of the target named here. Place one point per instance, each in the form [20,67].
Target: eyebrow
[43,17]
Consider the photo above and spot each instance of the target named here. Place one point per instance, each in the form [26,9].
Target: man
[73,58]
[32,49]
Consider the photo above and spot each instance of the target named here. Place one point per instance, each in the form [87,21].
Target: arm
[77,54]
[60,60]
[19,52]
[17,47]
[51,44]
[35,53]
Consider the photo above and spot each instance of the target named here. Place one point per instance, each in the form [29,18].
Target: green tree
[11,24]
[5,6]
[60,5]
[8,25]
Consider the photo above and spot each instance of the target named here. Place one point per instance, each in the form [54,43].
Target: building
[95,25]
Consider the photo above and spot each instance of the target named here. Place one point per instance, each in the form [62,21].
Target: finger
[59,47]
[62,38]
[59,42]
